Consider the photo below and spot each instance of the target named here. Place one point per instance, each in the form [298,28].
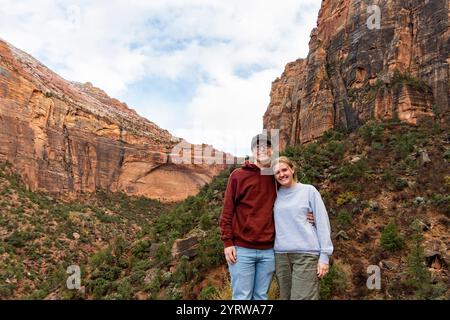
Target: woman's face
[283,174]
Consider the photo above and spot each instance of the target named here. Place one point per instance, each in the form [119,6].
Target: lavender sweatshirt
[293,233]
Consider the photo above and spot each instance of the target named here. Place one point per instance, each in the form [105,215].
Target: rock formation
[67,137]
[355,72]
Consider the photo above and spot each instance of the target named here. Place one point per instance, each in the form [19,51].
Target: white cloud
[231,50]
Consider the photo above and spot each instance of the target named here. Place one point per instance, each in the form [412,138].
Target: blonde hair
[288,162]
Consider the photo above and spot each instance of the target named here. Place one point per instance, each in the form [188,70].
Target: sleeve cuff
[228,243]
[324,258]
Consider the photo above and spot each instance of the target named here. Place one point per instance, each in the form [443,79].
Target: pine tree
[418,275]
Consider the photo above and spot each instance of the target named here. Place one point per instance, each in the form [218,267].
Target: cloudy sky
[201,69]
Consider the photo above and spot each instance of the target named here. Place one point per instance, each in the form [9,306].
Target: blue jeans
[251,274]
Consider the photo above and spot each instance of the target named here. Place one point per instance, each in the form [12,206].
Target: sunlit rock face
[67,137]
[355,72]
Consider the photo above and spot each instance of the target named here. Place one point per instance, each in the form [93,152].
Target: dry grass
[224,293]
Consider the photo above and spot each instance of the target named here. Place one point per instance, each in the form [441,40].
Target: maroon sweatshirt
[247,214]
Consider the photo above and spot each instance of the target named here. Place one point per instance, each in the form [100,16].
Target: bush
[99,287]
[394,183]
[163,254]
[352,174]
[208,292]
[407,78]
[141,249]
[447,155]
[442,202]
[372,132]
[391,240]
[344,198]
[125,290]
[334,282]
[184,271]
[403,144]
[344,218]
[18,239]
[210,251]
[335,150]
[6,290]
[418,274]
[205,221]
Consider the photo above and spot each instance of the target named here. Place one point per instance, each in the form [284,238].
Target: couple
[266,225]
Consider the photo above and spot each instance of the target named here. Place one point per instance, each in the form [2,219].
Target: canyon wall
[67,137]
[355,71]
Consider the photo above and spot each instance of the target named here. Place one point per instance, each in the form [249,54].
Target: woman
[301,249]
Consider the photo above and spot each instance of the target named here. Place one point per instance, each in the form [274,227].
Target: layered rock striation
[67,137]
[356,71]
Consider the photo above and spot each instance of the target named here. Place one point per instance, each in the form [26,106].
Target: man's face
[262,153]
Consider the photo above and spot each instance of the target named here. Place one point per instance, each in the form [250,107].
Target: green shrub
[344,198]
[442,202]
[334,282]
[352,175]
[6,290]
[210,251]
[208,292]
[102,257]
[391,240]
[403,144]
[335,149]
[344,218]
[18,239]
[407,78]
[163,254]
[400,184]
[100,214]
[205,221]
[447,155]
[184,271]
[125,290]
[141,249]
[119,247]
[372,132]
[99,287]
[418,274]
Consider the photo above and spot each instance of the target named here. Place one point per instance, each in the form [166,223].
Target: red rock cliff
[70,137]
[354,73]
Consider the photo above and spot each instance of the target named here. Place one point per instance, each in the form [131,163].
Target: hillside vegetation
[385,185]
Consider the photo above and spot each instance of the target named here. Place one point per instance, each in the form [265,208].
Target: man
[247,224]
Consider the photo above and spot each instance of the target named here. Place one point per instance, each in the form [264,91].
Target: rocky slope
[378,183]
[353,73]
[70,137]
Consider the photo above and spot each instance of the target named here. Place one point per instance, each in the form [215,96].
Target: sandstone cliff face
[70,137]
[353,74]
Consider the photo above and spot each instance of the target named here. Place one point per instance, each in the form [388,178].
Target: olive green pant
[296,274]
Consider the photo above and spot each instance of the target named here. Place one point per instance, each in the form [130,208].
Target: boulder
[389,265]
[342,235]
[185,247]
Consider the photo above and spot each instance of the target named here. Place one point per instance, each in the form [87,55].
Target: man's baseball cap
[261,139]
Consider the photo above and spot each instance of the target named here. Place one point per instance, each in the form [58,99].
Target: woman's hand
[322,269]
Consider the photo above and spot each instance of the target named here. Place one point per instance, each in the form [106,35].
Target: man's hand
[310,218]
[230,254]
[322,269]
